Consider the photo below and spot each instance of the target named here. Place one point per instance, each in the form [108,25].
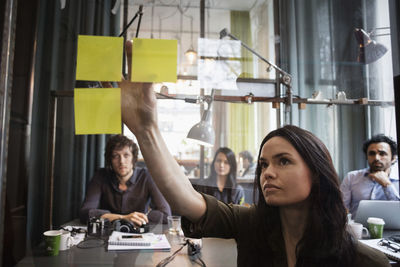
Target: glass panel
[342,101]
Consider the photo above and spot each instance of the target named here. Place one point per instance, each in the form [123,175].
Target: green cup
[375,227]
[52,241]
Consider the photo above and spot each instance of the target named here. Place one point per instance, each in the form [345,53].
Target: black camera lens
[125,228]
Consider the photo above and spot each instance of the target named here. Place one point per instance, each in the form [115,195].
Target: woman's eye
[284,161]
[263,165]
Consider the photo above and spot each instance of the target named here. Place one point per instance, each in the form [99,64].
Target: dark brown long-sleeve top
[239,222]
[104,196]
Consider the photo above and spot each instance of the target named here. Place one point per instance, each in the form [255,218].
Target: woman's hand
[139,113]
[138,106]
[138,101]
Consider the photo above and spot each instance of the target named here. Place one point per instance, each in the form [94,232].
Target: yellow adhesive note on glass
[99,58]
[154,60]
[97,111]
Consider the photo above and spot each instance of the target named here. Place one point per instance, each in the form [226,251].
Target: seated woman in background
[300,218]
[222,180]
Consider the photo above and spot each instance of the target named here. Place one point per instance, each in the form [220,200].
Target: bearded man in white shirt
[378,182]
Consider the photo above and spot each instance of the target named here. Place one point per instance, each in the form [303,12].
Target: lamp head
[191,56]
[368,50]
[202,133]
[223,33]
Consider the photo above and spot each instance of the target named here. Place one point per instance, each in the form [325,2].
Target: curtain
[240,27]
[241,126]
[319,49]
[76,157]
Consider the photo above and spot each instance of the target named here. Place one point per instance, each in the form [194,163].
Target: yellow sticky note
[97,111]
[154,60]
[99,58]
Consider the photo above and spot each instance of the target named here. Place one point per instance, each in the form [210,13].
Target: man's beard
[377,166]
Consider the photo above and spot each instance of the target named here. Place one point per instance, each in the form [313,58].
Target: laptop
[389,211]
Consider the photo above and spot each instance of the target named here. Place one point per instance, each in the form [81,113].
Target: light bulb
[191,56]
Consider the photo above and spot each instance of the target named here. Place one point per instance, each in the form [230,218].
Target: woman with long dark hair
[299,219]
[298,192]
[222,180]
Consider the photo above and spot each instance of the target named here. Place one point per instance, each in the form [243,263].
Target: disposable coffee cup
[52,240]
[375,226]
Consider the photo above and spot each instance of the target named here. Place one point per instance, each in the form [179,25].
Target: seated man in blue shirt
[249,167]
[378,182]
[123,191]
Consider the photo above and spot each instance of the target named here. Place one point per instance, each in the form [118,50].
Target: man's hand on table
[138,218]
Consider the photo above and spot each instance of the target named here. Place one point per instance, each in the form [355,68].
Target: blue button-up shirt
[357,186]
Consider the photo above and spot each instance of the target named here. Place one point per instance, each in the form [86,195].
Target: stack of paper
[389,253]
[148,241]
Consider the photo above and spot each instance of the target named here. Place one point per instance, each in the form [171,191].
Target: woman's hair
[325,241]
[231,181]
[118,142]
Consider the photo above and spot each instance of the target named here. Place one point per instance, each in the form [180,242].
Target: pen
[148,211]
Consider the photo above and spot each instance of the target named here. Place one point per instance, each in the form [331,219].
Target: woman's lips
[270,188]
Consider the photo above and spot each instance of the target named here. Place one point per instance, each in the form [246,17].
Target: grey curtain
[77,157]
[319,49]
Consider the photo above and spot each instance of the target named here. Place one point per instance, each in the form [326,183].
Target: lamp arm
[286,77]
[206,114]
[138,13]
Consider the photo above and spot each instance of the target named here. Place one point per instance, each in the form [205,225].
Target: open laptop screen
[389,211]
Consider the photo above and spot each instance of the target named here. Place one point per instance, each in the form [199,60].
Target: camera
[126,226]
[194,246]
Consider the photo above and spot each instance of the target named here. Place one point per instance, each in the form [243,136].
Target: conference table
[215,252]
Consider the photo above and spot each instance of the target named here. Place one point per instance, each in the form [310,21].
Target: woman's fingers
[138,100]
[148,93]
[138,103]
[106,85]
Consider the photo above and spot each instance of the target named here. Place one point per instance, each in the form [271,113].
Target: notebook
[373,243]
[147,241]
[389,211]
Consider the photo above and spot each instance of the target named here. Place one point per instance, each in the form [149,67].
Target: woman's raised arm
[139,113]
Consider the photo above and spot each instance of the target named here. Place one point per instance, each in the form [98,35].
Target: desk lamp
[203,132]
[368,50]
[283,77]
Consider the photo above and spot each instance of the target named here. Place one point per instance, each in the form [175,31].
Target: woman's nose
[268,173]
